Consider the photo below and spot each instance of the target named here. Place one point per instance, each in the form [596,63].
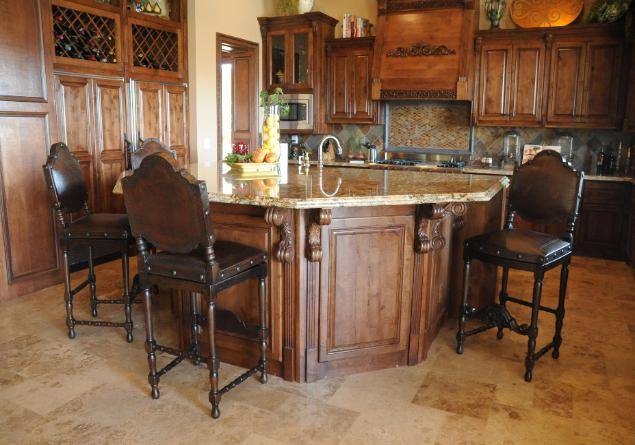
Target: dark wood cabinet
[568,78]
[29,260]
[348,90]
[603,224]
[161,112]
[629,116]
[584,81]
[294,58]
[510,82]
[92,120]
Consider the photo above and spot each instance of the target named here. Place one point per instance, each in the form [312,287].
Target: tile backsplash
[488,141]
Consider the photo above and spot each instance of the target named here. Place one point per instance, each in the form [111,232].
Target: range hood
[423,49]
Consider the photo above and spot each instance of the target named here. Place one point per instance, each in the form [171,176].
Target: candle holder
[495,9]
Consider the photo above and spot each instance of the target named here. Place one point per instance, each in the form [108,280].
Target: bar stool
[170,209]
[545,190]
[149,146]
[88,240]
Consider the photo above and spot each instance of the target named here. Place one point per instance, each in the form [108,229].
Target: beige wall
[236,18]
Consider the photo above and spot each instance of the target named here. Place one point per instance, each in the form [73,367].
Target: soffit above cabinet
[423,49]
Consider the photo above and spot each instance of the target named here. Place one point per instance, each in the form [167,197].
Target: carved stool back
[149,147]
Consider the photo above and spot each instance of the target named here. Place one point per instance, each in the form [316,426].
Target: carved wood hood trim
[418,94]
[417,5]
[420,49]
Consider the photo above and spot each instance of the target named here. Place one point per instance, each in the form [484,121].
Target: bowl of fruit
[261,163]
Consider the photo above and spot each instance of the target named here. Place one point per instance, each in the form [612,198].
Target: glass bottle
[565,141]
[511,149]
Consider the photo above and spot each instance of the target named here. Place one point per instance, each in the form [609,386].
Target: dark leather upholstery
[149,147]
[65,180]
[232,258]
[520,245]
[545,189]
[170,209]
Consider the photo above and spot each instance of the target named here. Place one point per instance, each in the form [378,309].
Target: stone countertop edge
[361,201]
[469,170]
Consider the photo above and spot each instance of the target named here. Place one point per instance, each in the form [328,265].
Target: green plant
[232,158]
[275,99]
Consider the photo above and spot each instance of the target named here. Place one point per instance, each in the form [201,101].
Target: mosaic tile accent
[438,125]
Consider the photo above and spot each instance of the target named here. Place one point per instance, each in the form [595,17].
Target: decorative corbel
[428,219]
[458,210]
[280,218]
[321,217]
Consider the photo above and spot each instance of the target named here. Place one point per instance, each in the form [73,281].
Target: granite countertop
[345,187]
[432,167]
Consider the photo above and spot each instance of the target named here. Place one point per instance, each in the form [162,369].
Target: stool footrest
[544,350]
[496,315]
[79,287]
[528,304]
[240,379]
[110,324]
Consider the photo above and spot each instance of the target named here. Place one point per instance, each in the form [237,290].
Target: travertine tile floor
[94,390]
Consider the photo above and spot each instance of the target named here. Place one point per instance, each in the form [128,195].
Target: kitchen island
[364,264]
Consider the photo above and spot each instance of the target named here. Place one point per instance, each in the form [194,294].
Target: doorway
[236,93]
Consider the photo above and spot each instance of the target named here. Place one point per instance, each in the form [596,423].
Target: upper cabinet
[568,77]
[585,79]
[629,117]
[294,58]
[511,78]
[294,50]
[349,64]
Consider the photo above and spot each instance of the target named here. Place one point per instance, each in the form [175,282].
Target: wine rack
[155,48]
[84,36]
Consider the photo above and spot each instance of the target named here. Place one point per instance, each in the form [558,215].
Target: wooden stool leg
[212,362]
[153,378]
[68,297]
[503,296]
[461,333]
[530,360]
[195,327]
[127,298]
[557,338]
[263,329]
[92,282]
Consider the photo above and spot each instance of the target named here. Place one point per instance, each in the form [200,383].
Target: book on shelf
[353,26]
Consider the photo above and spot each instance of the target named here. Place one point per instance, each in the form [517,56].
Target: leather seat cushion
[232,258]
[100,226]
[520,245]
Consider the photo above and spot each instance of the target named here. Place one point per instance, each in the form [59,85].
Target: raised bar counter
[365,265]
[345,187]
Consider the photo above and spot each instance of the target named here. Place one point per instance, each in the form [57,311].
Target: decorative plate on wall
[545,13]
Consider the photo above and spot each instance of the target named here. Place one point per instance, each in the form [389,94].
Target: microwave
[300,113]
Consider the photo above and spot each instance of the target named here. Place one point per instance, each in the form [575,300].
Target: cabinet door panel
[110,119]
[526,94]
[494,84]
[75,117]
[565,84]
[603,64]
[361,103]
[176,121]
[360,313]
[27,225]
[149,110]
[629,119]
[338,86]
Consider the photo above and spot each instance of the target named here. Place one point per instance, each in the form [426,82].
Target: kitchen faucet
[320,147]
